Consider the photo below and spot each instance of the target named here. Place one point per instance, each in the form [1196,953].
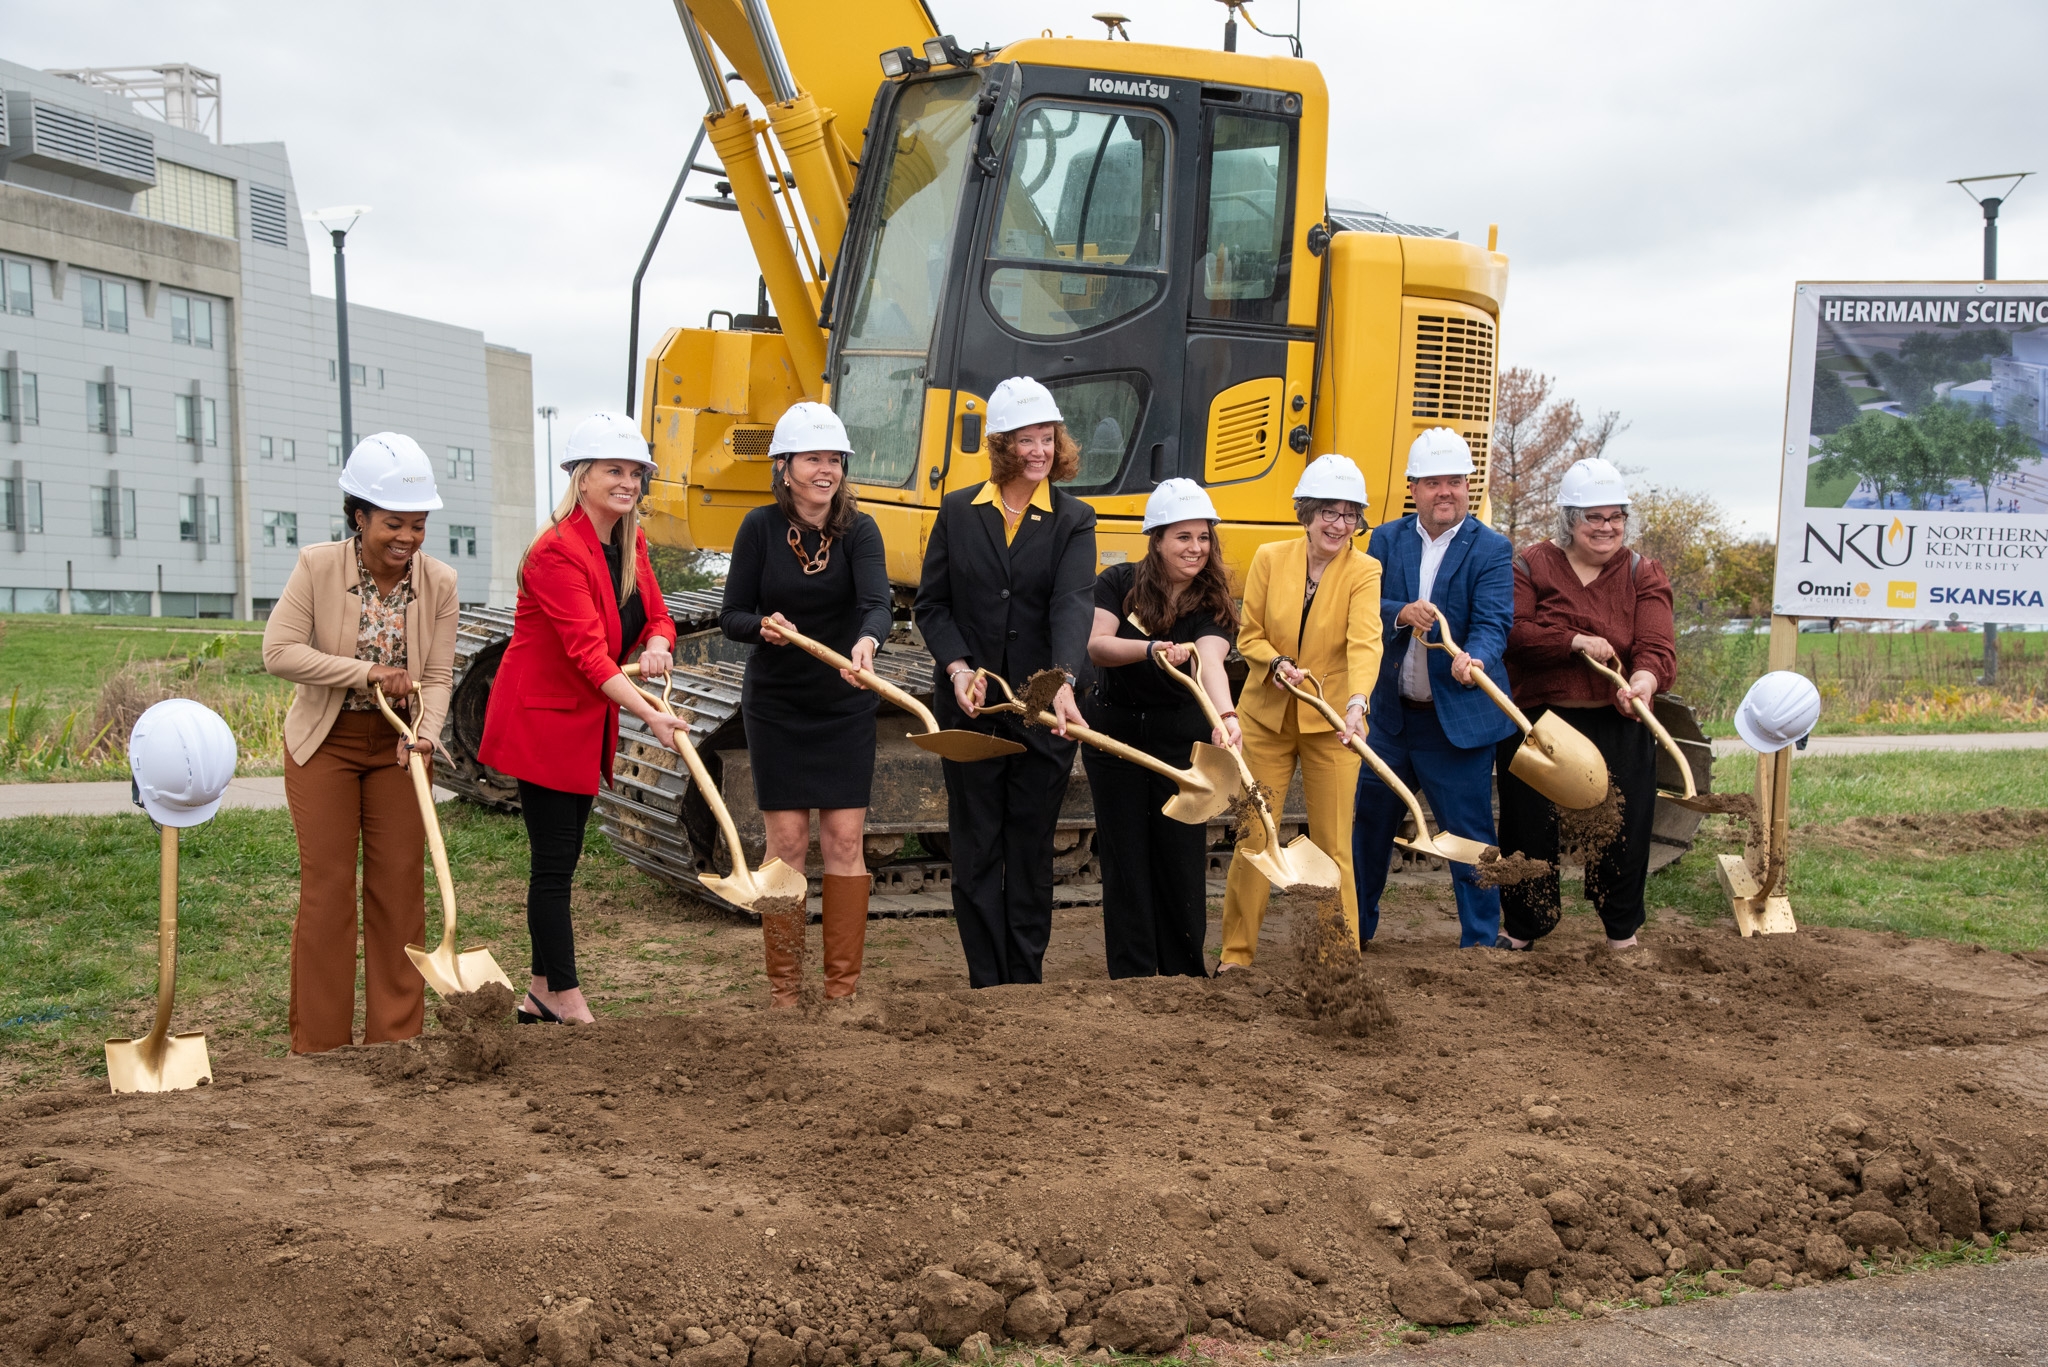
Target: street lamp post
[346,215]
[1990,204]
[547,413]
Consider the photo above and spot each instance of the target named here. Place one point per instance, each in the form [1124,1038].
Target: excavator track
[655,817]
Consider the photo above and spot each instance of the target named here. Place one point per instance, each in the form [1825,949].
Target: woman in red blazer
[587,600]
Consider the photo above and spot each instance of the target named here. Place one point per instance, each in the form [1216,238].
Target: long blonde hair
[627,531]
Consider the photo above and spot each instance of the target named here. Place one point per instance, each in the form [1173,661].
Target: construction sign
[1916,455]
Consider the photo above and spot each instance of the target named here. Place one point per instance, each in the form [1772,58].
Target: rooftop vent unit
[55,137]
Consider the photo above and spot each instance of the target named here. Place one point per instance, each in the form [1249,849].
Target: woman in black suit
[1008,586]
[813,561]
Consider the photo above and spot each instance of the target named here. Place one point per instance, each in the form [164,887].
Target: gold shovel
[1207,786]
[1555,758]
[1690,798]
[963,746]
[447,972]
[1298,863]
[1457,848]
[161,1061]
[743,887]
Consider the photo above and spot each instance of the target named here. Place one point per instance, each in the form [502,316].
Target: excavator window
[900,274]
[1242,274]
[1083,215]
[1102,412]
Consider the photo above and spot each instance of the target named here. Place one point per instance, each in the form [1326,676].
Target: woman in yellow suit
[1309,606]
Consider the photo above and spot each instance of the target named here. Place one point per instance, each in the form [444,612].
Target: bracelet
[1231,713]
[1152,651]
[952,674]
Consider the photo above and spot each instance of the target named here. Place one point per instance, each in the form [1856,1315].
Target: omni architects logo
[1876,544]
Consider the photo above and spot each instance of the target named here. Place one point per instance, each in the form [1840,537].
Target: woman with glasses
[1310,607]
[1586,592]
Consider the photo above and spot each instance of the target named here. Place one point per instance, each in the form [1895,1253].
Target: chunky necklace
[812,564]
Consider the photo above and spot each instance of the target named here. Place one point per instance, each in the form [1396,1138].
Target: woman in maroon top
[1586,591]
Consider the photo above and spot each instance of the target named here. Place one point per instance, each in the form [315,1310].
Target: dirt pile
[1935,835]
[1334,984]
[1072,1163]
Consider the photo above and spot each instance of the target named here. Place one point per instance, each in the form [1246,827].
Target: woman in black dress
[1172,604]
[812,561]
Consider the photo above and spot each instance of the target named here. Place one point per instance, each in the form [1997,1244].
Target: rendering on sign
[1916,453]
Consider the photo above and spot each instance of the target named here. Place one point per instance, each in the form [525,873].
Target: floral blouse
[380,633]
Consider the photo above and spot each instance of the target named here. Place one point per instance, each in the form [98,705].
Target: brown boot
[846,930]
[782,936]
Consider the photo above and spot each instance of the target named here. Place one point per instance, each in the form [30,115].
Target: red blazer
[548,717]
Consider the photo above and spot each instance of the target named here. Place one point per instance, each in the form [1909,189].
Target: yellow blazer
[1341,645]
[310,639]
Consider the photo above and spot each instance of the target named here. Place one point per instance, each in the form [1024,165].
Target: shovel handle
[1365,751]
[869,680]
[1111,745]
[1486,683]
[423,791]
[1649,718]
[699,775]
[157,1040]
[1191,679]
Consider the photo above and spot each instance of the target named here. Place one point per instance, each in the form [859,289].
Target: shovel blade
[180,1065]
[1557,760]
[773,880]
[1456,848]
[965,746]
[1213,783]
[1300,863]
[451,974]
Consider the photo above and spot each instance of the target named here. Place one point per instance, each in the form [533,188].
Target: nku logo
[1874,543]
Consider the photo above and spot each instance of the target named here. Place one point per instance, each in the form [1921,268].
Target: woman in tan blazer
[369,610]
[1310,606]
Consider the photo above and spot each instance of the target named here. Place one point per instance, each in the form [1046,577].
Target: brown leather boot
[782,936]
[846,930]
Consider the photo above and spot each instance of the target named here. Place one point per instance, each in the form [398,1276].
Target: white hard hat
[1332,476]
[1177,500]
[809,426]
[606,436]
[182,756]
[388,470]
[1439,451]
[1779,708]
[1592,484]
[1020,401]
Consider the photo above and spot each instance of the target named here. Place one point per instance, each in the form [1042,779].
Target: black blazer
[1012,608]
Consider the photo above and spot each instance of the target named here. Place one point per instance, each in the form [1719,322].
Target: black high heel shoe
[530,1018]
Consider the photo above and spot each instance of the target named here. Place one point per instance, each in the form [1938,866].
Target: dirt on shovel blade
[1509,869]
[1039,691]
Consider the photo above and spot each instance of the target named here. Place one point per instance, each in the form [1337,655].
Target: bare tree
[1536,438]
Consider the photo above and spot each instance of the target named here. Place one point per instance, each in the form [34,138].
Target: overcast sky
[1661,174]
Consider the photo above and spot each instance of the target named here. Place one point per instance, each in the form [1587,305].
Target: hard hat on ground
[1439,451]
[1779,708]
[606,436]
[1177,500]
[1592,484]
[1020,401]
[1332,476]
[389,471]
[809,426]
[182,755]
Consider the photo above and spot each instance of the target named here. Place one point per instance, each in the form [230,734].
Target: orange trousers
[350,796]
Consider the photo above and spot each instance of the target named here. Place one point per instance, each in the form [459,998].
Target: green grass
[1996,898]
[61,660]
[1829,493]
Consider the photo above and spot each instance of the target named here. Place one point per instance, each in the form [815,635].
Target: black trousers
[554,828]
[1155,897]
[1000,818]
[1528,824]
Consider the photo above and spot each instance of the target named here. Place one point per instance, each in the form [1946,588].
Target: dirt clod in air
[782,908]
[1509,869]
[1039,691]
[1740,805]
[1334,983]
[1583,834]
[1243,812]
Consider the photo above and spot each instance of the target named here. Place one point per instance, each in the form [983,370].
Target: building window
[358,376]
[380,377]
[21,385]
[461,540]
[104,303]
[194,520]
[95,406]
[19,288]
[330,370]
[280,529]
[184,424]
[191,320]
[25,515]
[337,527]
[201,605]
[28,600]
[195,416]
[103,505]
[187,197]
[263,448]
[334,448]
[287,449]
[124,409]
[110,602]
[461,463]
[212,434]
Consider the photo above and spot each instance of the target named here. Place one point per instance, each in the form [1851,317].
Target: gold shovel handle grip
[1486,683]
[1649,719]
[869,680]
[423,791]
[694,762]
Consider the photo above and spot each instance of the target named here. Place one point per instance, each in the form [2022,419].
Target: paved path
[1884,745]
[1958,1317]
[113,799]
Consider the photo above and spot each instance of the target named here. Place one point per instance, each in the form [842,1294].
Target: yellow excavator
[1145,229]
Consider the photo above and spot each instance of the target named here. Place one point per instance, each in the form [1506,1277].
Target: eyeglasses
[1338,517]
[1605,520]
